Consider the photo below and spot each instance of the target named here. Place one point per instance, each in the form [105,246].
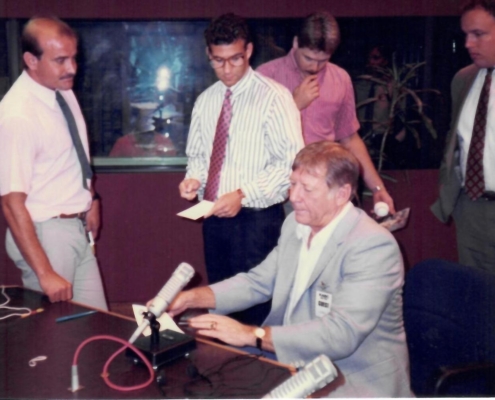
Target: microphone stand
[155,330]
[161,347]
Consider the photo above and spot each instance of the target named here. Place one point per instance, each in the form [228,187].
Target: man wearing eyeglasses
[323,93]
[244,135]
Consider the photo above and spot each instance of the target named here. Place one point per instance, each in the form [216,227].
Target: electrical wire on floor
[4,306]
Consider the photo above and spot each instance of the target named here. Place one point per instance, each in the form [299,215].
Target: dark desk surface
[232,374]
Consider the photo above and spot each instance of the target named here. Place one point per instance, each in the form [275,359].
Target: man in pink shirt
[324,94]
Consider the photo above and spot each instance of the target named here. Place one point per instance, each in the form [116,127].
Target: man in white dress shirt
[47,199]
[263,136]
[473,210]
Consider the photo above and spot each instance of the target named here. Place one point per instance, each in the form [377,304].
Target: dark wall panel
[209,8]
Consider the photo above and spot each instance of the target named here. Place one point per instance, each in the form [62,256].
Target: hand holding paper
[197,211]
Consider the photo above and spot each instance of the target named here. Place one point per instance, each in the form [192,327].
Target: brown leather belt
[81,216]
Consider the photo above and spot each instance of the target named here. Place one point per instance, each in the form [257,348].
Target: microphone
[180,278]
[318,373]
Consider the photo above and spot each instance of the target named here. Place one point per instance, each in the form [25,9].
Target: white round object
[381,209]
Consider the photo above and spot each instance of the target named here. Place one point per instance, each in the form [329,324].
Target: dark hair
[487,5]
[320,32]
[29,39]
[341,165]
[226,29]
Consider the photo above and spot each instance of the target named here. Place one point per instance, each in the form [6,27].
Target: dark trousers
[475,228]
[234,245]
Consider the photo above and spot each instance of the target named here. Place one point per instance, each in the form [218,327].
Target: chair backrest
[449,317]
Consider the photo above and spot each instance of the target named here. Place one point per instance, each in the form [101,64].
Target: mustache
[68,76]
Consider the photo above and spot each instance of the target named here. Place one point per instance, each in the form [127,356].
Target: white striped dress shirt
[264,138]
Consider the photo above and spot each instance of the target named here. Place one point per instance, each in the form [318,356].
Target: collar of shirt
[320,239]
[242,85]
[46,95]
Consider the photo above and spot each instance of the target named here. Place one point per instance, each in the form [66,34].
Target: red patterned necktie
[475,181]
[218,151]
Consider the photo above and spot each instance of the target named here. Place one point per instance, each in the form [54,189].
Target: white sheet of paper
[197,211]
[166,322]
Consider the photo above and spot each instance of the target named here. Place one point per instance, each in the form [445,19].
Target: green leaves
[405,102]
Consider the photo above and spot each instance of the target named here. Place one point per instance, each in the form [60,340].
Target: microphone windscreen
[179,279]
[315,375]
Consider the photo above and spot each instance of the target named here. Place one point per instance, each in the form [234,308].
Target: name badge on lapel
[323,303]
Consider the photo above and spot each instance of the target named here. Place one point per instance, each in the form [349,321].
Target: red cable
[105,373]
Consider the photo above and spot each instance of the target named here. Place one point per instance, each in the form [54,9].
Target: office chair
[449,317]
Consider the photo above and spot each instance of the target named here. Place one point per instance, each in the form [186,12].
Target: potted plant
[405,108]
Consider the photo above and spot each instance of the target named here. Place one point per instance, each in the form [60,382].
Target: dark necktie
[219,147]
[87,173]
[475,181]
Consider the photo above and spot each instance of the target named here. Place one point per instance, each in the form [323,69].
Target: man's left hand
[227,206]
[93,219]
[382,195]
[226,329]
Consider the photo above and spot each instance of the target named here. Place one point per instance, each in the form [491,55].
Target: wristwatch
[260,334]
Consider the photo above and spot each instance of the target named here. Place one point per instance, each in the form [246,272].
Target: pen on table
[183,323]
[75,316]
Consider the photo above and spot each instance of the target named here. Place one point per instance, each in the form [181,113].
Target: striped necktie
[219,147]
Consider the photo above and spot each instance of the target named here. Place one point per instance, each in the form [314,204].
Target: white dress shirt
[37,156]
[264,138]
[309,256]
[465,130]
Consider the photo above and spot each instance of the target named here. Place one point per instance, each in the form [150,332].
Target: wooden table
[227,373]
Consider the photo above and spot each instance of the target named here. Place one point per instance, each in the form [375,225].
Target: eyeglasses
[234,61]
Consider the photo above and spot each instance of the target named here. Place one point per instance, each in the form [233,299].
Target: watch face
[259,333]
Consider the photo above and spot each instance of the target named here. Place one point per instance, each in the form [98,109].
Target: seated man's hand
[227,206]
[201,297]
[55,287]
[306,92]
[226,329]
[180,304]
[188,188]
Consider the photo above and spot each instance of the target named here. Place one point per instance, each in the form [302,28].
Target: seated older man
[335,280]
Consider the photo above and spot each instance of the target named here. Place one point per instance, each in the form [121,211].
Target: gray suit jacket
[363,334]
[450,174]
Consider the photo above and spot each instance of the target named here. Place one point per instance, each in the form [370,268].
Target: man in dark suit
[467,173]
